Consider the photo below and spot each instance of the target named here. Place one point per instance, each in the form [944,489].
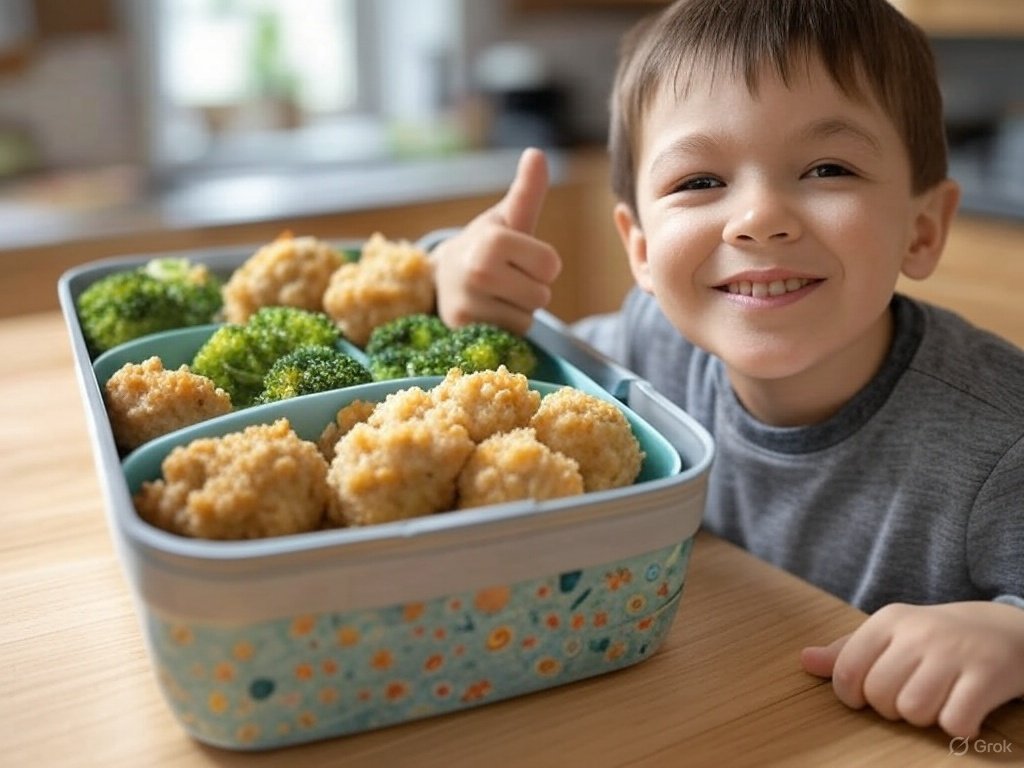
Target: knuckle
[956,722]
[914,710]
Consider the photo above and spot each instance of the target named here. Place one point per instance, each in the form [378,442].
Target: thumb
[819,660]
[521,206]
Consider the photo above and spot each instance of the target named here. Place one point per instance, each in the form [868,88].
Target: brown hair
[860,42]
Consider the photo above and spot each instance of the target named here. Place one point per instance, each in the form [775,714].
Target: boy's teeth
[774,288]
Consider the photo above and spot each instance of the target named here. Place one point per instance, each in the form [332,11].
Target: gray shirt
[913,492]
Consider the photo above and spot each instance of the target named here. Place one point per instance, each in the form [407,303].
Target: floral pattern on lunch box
[315,676]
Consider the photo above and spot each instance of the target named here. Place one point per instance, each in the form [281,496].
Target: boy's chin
[768,365]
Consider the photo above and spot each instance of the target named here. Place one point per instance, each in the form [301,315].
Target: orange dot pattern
[318,675]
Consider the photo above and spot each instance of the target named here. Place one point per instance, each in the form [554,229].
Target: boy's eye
[698,183]
[828,170]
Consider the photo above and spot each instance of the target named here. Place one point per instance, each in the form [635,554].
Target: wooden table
[76,687]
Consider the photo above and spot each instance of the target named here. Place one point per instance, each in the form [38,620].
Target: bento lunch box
[265,643]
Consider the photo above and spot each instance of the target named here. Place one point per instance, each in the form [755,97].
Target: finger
[924,694]
[498,312]
[972,697]
[855,660]
[519,290]
[535,259]
[521,206]
[819,660]
[887,677]
[504,284]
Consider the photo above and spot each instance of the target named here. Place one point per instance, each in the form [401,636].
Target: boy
[778,164]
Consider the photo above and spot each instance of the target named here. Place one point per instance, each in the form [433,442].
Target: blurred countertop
[79,206]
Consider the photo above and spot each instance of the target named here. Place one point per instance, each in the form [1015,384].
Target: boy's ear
[635,243]
[936,208]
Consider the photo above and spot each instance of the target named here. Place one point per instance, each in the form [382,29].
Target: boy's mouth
[761,290]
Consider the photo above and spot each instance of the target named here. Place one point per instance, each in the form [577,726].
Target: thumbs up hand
[495,270]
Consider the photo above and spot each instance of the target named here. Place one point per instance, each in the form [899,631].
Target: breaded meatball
[515,465]
[355,412]
[290,271]
[262,481]
[486,402]
[390,280]
[397,471]
[593,432]
[145,401]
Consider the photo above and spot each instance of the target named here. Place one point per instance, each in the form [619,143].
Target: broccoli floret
[234,362]
[311,369]
[160,295]
[436,360]
[393,344]
[238,357]
[472,348]
[280,330]
[411,332]
[484,347]
[388,364]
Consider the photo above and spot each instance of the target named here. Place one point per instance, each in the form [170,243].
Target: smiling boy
[778,165]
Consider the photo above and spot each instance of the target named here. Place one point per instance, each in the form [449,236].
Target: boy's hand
[949,664]
[495,270]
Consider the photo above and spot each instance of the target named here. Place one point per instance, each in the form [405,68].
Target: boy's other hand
[495,270]
[949,664]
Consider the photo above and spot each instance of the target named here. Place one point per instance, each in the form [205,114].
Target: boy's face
[772,228]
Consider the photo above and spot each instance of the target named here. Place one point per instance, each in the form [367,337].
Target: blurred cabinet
[554,5]
[957,18]
[60,18]
[983,18]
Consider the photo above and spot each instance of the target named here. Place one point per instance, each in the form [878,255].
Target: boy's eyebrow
[837,126]
[694,143]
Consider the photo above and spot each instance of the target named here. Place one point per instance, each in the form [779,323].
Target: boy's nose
[761,217]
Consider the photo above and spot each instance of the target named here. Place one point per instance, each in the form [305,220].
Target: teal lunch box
[264,643]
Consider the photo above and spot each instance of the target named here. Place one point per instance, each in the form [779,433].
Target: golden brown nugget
[145,400]
[402,405]
[347,417]
[593,432]
[515,465]
[290,271]
[262,481]
[390,280]
[396,471]
[486,402]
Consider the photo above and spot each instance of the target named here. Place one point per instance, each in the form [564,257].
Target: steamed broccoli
[234,362]
[388,364]
[238,357]
[310,369]
[483,347]
[422,345]
[162,294]
[279,330]
[475,347]
[410,332]
[394,343]
[435,360]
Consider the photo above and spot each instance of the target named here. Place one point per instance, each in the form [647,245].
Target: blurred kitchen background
[144,125]
[208,103]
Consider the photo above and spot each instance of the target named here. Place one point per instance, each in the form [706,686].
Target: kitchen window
[234,84]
